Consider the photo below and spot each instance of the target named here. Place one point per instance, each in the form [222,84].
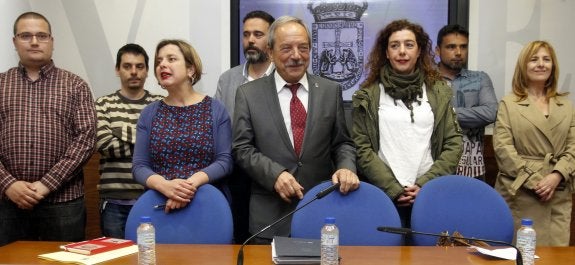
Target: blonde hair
[520,79]
[190,56]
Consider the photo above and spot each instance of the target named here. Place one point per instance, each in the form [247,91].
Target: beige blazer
[529,146]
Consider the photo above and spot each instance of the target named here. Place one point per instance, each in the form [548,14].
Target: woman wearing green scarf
[404,127]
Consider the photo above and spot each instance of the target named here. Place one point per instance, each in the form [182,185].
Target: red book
[97,245]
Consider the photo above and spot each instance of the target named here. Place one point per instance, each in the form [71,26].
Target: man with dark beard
[475,102]
[258,64]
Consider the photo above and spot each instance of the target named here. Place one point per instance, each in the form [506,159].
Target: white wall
[500,29]
[88,33]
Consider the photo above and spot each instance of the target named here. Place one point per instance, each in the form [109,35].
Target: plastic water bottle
[146,242]
[526,239]
[329,242]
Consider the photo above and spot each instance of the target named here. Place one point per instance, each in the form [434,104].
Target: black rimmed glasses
[27,36]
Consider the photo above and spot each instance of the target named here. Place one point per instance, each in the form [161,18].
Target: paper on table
[70,257]
[502,253]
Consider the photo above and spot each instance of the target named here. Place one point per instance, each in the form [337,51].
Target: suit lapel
[275,112]
[557,113]
[532,114]
[313,102]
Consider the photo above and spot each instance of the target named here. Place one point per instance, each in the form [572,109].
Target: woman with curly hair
[404,127]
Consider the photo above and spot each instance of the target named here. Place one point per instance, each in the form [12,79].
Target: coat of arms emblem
[337,41]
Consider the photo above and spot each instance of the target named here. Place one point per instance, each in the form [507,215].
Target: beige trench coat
[528,146]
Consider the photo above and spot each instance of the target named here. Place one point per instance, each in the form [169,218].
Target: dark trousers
[64,221]
[260,241]
[405,217]
[113,219]
[240,188]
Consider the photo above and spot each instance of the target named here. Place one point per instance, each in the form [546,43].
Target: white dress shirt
[284,96]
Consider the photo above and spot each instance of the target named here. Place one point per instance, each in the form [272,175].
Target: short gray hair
[282,21]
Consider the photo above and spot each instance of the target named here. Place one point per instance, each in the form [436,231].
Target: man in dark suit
[290,139]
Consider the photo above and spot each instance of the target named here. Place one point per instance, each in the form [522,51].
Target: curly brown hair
[377,58]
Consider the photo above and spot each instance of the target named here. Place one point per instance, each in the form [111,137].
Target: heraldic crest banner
[343,32]
[337,41]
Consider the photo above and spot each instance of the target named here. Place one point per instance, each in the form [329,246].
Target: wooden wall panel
[91,178]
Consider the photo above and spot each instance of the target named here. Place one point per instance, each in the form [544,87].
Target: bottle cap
[146,219]
[526,221]
[330,220]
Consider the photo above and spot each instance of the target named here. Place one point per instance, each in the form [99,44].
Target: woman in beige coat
[534,143]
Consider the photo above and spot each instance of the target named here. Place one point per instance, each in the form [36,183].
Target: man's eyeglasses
[40,36]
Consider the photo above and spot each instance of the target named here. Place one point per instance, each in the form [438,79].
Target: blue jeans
[65,221]
[113,218]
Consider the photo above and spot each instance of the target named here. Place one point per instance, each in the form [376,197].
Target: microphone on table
[407,231]
[318,196]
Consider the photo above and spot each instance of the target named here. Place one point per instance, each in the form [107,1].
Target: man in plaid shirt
[47,133]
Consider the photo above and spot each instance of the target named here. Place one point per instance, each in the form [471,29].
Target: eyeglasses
[40,36]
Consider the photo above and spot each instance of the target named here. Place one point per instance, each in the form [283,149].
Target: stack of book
[92,251]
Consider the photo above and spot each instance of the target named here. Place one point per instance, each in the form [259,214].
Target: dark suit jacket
[262,147]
